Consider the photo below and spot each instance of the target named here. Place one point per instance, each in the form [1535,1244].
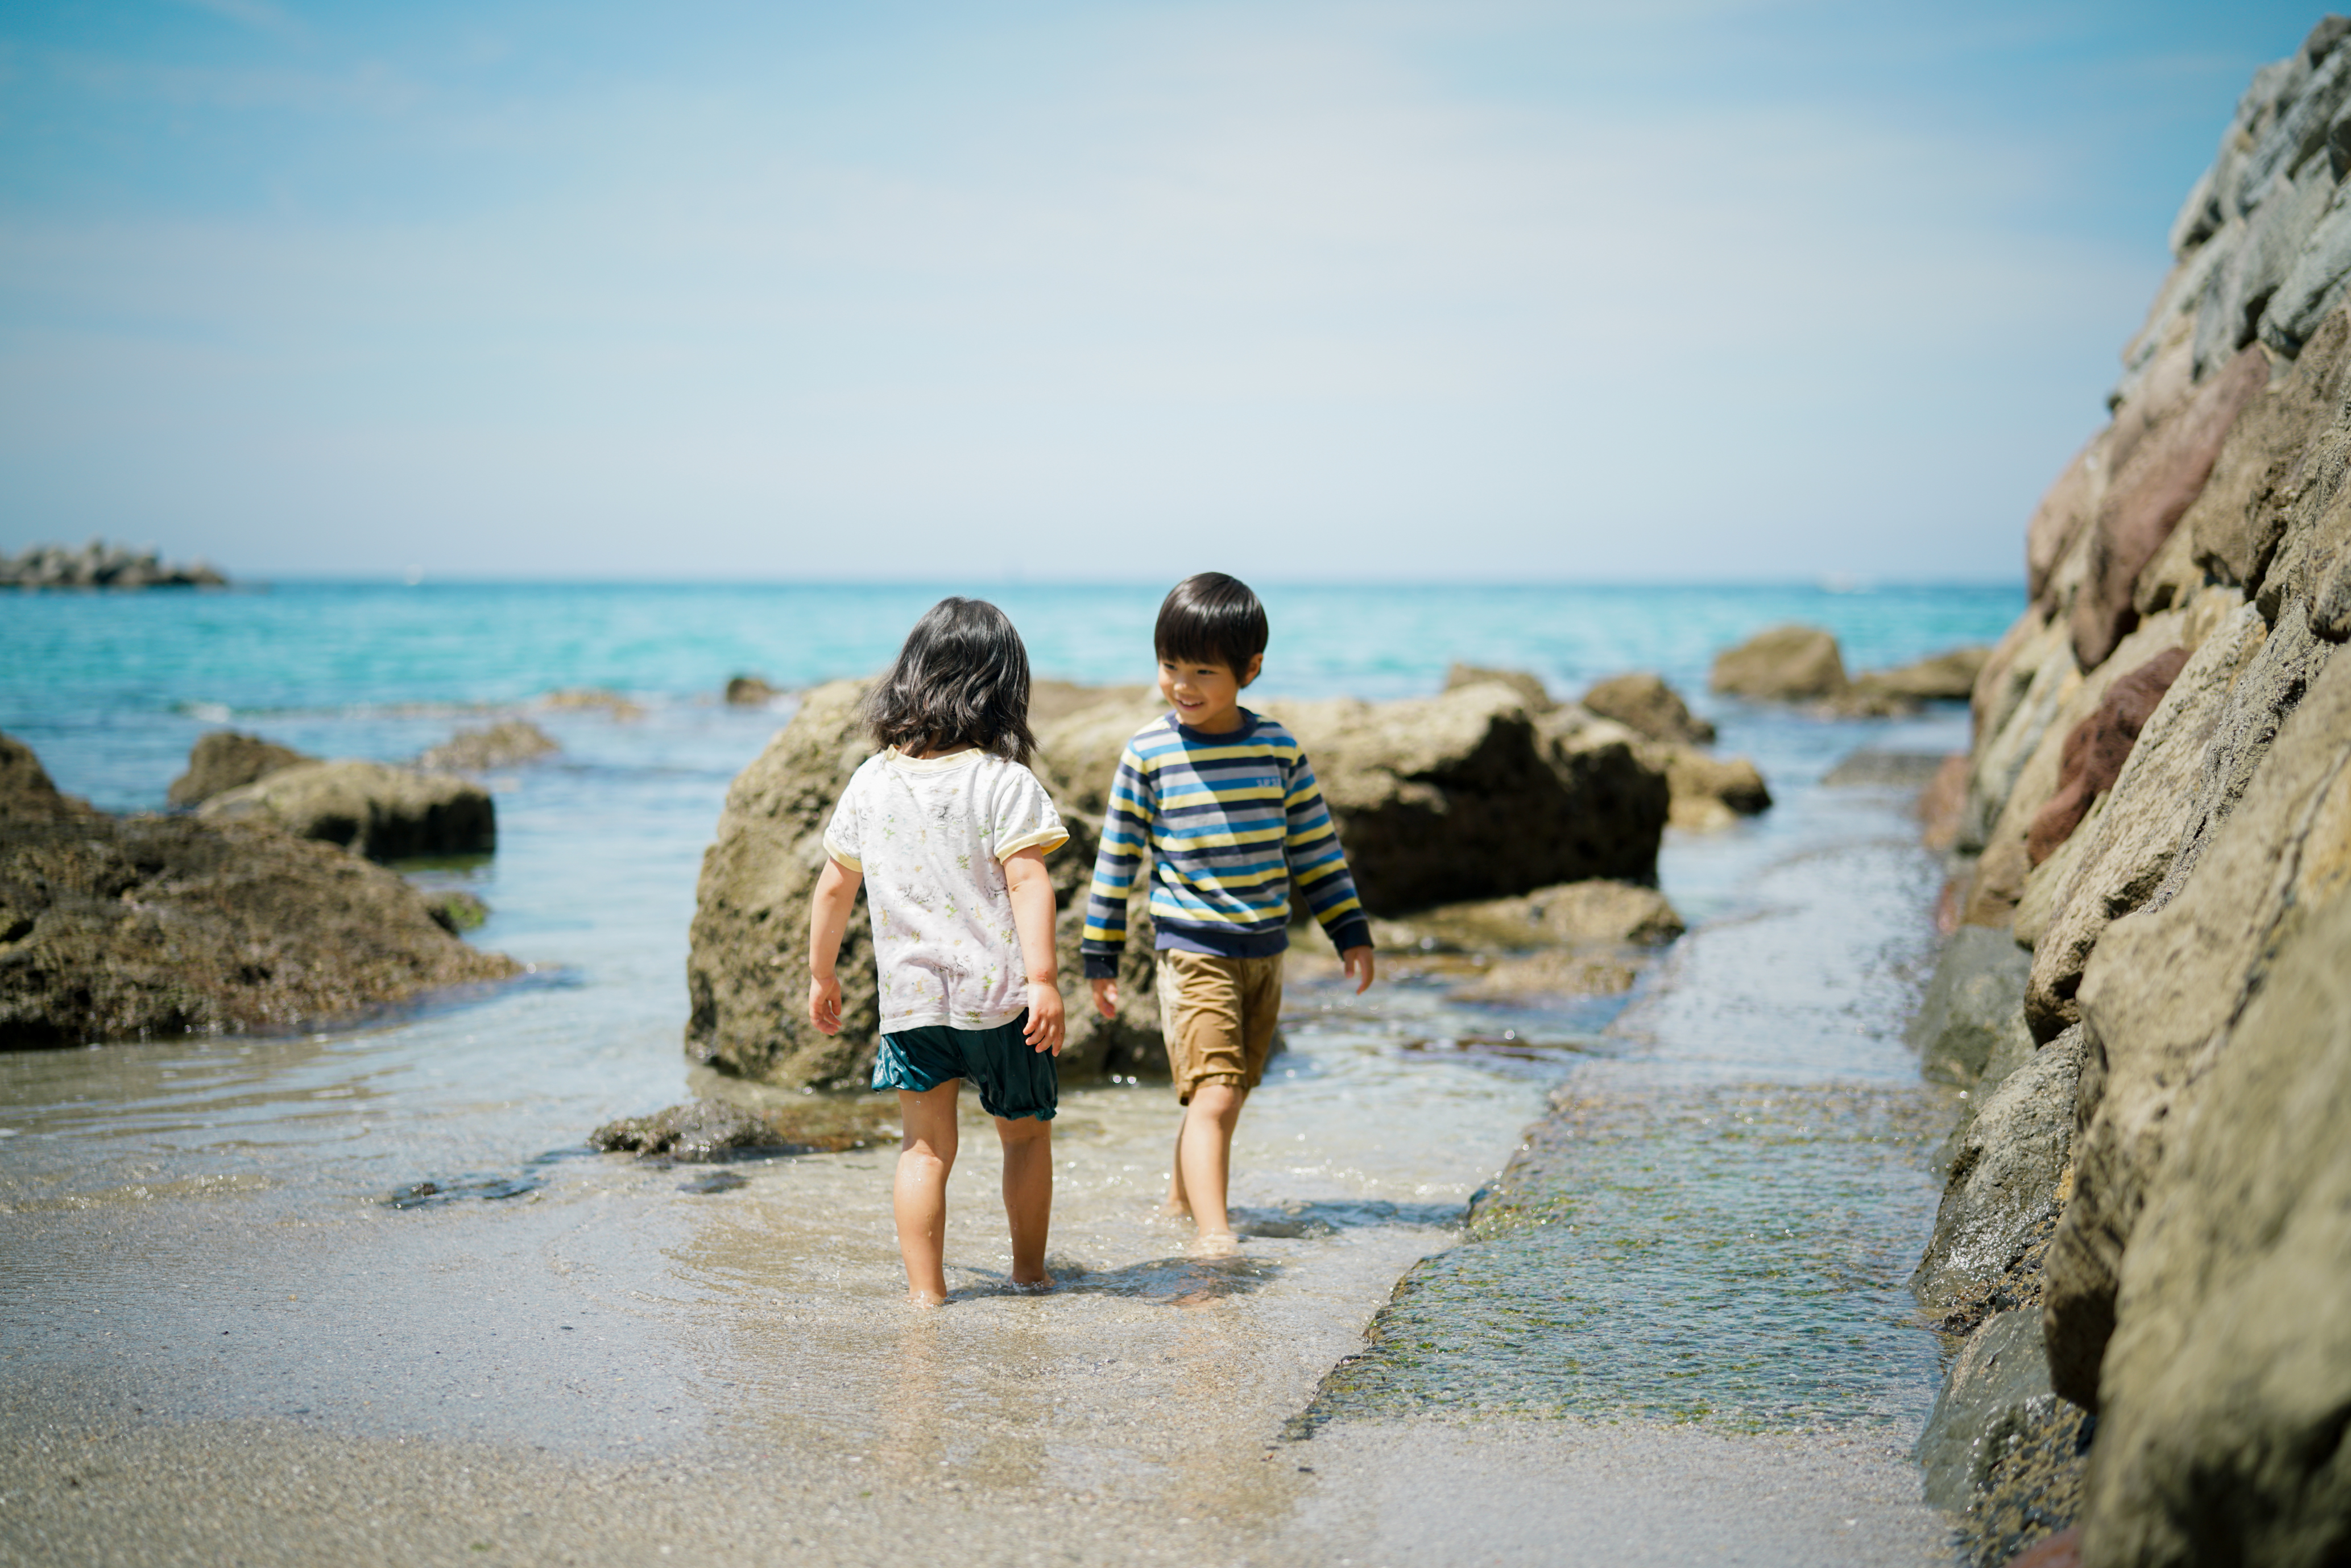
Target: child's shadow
[1178,1282]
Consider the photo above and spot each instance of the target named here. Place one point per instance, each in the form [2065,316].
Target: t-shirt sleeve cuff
[1045,839]
[843,855]
[1353,932]
[1100,966]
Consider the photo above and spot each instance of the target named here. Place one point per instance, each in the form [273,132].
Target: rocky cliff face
[2159,829]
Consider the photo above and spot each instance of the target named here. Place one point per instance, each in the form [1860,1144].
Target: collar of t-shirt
[953,760]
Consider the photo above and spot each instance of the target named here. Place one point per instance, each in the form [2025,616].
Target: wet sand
[636,1362]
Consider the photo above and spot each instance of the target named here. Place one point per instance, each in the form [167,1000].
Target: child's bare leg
[1179,1203]
[1027,1193]
[919,1195]
[1204,1155]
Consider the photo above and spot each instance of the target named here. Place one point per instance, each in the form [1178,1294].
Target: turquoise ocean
[1753,1277]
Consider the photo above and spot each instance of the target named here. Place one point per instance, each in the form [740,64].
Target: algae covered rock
[224,759]
[26,794]
[1577,912]
[1784,663]
[1998,1382]
[128,928]
[707,1130]
[383,812]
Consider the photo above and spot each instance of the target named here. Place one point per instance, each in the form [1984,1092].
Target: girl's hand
[1358,962]
[1046,1024]
[824,1004]
[1105,998]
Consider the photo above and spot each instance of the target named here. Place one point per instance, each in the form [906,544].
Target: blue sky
[1697,289]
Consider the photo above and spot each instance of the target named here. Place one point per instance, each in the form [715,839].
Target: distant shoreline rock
[99,564]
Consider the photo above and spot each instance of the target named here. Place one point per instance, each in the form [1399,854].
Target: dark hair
[962,679]
[1211,618]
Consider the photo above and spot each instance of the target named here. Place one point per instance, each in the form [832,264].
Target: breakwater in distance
[372,1273]
[2142,1254]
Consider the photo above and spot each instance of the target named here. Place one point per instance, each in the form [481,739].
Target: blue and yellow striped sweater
[1233,822]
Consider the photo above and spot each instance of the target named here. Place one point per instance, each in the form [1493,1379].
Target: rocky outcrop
[2159,799]
[1784,663]
[1579,911]
[129,928]
[1644,704]
[750,691]
[101,565]
[1528,684]
[612,705]
[383,812]
[227,760]
[501,745]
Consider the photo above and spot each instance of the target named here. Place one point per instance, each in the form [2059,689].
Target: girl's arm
[836,892]
[1031,888]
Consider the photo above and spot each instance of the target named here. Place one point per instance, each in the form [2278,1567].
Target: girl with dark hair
[948,831]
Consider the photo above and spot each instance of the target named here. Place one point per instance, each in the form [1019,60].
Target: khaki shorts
[1218,1015]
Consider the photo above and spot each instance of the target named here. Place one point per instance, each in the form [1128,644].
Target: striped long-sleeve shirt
[1233,822]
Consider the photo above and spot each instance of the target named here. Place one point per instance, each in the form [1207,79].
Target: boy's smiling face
[1206,696]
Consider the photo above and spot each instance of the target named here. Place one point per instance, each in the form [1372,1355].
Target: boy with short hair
[1227,806]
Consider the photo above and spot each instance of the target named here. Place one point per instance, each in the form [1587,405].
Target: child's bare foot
[916,1298]
[1036,1287]
[1216,1244]
[1176,1208]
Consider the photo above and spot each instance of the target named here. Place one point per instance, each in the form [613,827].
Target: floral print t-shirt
[930,836]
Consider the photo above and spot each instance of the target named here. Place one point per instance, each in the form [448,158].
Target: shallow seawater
[391,1229]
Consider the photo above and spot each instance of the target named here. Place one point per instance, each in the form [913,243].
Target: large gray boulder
[1783,663]
[1468,795]
[1974,1003]
[225,760]
[2225,1392]
[130,928]
[371,808]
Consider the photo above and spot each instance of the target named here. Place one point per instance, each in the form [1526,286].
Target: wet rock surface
[227,760]
[128,928]
[371,809]
[1998,1378]
[26,794]
[1973,1005]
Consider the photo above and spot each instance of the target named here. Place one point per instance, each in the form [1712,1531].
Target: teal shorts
[1014,1078]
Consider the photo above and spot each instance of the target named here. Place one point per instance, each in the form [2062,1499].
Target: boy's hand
[824,1004]
[1358,961]
[1045,1020]
[1105,998]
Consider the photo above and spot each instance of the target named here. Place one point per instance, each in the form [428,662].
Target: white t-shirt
[932,836]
